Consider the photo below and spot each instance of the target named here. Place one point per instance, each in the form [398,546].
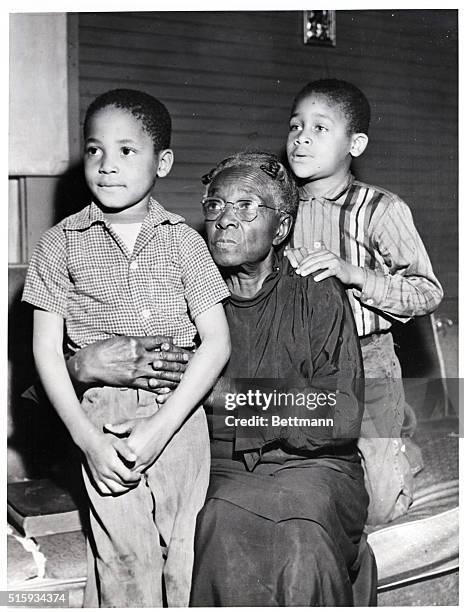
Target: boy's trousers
[142,540]
[388,473]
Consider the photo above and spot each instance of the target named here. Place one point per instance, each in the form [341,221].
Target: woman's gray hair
[282,184]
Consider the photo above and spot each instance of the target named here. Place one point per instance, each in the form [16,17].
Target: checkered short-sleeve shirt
[82,270]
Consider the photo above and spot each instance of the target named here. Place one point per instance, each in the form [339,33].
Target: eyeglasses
[246,210]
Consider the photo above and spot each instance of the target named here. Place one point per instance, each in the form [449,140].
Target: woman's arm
[142,362]
[337,367]
[102,452]
[149,436]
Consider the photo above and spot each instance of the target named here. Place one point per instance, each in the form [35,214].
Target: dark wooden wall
[228,79]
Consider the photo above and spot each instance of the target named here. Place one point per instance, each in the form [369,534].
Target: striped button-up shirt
[82,270]
[373,229]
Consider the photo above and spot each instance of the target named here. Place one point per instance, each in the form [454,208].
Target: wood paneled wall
[228,79]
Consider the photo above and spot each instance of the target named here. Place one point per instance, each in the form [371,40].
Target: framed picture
[319,28]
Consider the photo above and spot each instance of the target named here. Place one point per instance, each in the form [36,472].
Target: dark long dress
[286,505]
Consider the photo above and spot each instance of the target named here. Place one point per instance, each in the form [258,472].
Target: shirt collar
[333,194]
[92,214]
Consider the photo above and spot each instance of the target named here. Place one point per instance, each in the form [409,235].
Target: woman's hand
[148,363]
[168,369]
[108,458]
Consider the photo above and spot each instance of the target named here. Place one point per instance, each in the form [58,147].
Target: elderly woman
[286,506]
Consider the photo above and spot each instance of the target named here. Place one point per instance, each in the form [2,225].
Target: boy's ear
[358,144]
[283,229]
[165,161]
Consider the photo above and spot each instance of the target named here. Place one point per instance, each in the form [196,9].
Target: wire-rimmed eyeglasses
[245,210]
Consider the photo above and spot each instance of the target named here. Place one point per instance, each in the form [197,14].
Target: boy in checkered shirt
[126,266]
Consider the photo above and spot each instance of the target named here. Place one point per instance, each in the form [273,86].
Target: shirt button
[370,301]
[146,313]
[133,265]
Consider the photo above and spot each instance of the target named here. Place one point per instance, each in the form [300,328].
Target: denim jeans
[388,473]
[142,540]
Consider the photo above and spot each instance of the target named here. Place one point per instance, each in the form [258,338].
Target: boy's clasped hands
[118,457]
[110,462]
[144,438]
[306,262]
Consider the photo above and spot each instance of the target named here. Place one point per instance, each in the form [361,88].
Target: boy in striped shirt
[365,236]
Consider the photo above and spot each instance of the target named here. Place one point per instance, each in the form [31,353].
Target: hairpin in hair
[274,169]
[207,178]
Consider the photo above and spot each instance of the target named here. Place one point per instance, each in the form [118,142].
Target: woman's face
[234,242]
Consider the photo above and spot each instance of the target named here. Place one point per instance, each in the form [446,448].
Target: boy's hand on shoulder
[295,256]
[321,259]
[108,458]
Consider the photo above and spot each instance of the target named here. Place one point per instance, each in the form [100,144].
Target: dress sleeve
[203,284]
[47,280]
[335,386]
[337,359]
[407,287]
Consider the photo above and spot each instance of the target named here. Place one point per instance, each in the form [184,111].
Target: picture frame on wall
[319,28]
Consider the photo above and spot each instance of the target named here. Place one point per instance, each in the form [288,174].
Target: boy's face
[318,142]
[120,163]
